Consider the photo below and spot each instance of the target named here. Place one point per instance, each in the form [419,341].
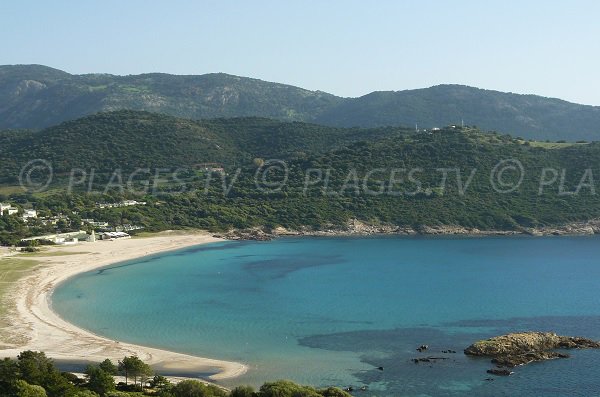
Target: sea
[351,311]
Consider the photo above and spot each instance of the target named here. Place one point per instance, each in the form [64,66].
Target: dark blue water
[329,311]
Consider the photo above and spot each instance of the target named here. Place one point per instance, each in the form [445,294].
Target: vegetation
[530,116]
[34,96]
[34,375]
[127,141]
[334,175]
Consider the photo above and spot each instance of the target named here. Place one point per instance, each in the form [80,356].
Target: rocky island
[523,348]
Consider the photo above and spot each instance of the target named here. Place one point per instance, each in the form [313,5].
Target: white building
[9,208]
[94,223]
[29,214]
[62,238]
[124,203]
[114,235]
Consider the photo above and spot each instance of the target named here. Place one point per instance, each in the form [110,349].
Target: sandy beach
[34,326]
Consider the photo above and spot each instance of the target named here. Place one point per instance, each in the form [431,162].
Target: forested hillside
[323,176]
[35,96]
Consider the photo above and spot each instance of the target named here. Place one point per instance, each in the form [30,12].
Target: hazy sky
[348,48]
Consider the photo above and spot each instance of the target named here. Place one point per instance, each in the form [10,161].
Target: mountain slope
[128,140]
[34,96]
[527,115]
[379,176]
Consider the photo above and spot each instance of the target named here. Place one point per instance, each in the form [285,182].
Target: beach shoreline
[35,326]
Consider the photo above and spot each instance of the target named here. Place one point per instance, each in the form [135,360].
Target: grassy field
[9,189]
[11,270]
[46,253]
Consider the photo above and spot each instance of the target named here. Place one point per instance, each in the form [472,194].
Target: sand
[34,326]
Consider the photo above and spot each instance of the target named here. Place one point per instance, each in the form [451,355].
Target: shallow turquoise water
[328,311]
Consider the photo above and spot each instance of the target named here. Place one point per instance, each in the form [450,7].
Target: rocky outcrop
[355,227]
[576,228]
[522,348]
[256,234]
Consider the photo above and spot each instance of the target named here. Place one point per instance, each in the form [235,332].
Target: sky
[348,48]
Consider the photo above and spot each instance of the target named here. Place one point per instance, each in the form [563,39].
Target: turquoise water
[328,311]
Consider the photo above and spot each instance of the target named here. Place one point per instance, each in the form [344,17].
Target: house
[8,208]
[53,220]
[61,238]
[127,203]
[114,235]
[210,167]
[127,228]
[94,223]
[124,203]
[27,214]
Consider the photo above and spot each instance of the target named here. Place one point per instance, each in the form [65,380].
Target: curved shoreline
[35,326]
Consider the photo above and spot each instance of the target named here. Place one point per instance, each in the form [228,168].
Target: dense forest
[129,140]
[35,96]
[323,177]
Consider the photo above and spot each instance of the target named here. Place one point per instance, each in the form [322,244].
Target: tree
[193,388]
[34,367]
[285,388]
[118,394]
[160,382]
[37,369]
[125,367]
[85,393]
[57,385]
[72,378]
[9,372]
[133,366]
[333,392]
[243,391]
[108,367]
[24,389]
[99,381]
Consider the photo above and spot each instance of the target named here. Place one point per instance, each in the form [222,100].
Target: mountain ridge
[37,96]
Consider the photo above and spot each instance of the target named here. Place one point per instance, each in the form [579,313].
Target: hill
[34,97]
[529,116]
[128,140]
[383,176]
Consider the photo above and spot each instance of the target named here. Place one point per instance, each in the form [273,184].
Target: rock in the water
[512,360]
[522,348]
[499,372]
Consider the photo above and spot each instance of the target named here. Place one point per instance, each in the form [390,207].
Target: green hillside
[35,96]
[381,176]
[529,116]
[128,140]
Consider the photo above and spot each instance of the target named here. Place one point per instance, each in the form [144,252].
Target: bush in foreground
[35,375]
